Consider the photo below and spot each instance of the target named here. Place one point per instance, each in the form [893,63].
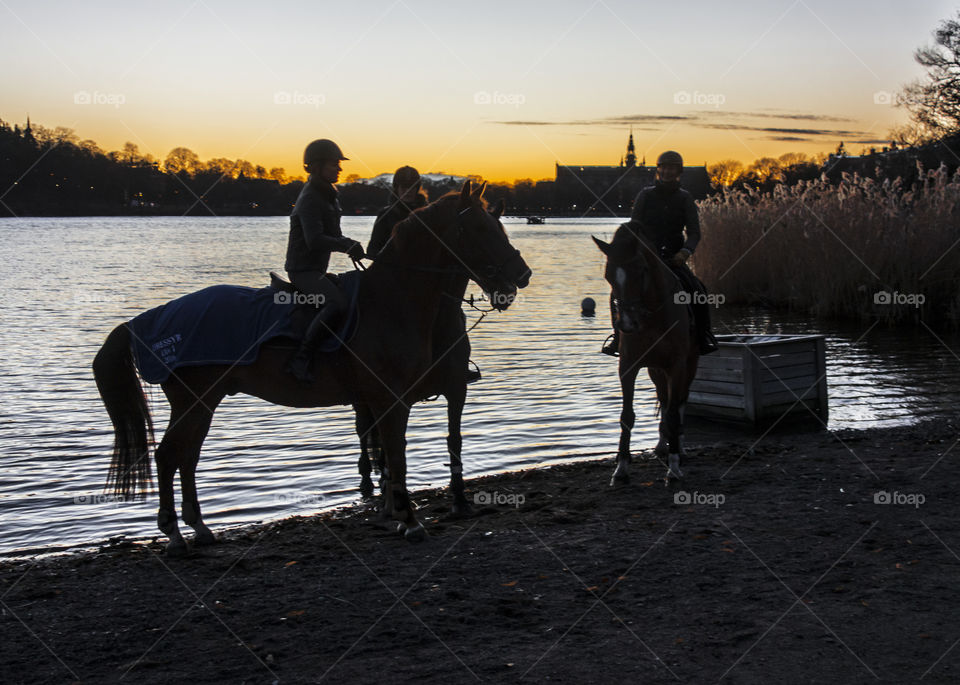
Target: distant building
[612,189]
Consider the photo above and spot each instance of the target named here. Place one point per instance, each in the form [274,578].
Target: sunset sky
[499,89]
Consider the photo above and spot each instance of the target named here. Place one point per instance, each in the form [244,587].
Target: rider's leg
[613,347]
[701,312]
[324,321]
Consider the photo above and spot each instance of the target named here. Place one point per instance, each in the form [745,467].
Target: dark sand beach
[775,560]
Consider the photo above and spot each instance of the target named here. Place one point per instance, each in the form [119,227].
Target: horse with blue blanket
[381,366]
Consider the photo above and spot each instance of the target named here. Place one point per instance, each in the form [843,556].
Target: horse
[380,366]
[656,332]
[446,377]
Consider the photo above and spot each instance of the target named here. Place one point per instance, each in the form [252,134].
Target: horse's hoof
[401,527]
[204,538]
[177,549]
[461,509]
[619,479]
[416,534]
[366,488]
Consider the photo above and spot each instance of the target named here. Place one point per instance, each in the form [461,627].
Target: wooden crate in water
[758,378]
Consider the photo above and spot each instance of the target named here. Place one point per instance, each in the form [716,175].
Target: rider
[661,212]
[405,196]
[314,234]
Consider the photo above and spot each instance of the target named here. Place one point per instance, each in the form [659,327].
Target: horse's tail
[120,388]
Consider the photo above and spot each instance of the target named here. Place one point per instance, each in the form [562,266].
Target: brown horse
[381,366]
[656,332]
[451,347]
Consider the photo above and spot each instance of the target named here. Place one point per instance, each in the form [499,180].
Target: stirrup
[608,347]
[708,343]
[473,375]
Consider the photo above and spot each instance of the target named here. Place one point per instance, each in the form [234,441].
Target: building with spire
[611,190]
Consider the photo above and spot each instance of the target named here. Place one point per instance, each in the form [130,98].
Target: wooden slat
[719,387]
[711,362]
[774,398]
[706,398]
[794,371]
[720,374]
[726,413]
[778,360]
[781,384]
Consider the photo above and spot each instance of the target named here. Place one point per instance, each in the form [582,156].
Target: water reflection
[546,394]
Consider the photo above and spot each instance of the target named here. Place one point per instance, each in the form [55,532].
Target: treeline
[52,172]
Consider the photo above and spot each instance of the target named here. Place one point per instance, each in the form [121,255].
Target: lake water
[547,394]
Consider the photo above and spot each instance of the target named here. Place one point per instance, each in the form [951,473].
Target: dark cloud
[770,115]
[784,131]
[607,121]
[886,141]
[790,139]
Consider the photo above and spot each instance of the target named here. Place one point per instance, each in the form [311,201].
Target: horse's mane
[627,243]
[425,222]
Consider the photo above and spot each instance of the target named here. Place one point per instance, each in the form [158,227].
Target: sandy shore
[776,560]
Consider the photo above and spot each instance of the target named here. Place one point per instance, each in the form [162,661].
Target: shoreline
[777,558]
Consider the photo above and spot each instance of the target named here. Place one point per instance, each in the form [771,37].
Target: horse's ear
[465,194]
[478,191]
[498,209]
[604,247]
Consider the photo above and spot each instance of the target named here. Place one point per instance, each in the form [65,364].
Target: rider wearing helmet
[405,196]
[667,215]
[314,234]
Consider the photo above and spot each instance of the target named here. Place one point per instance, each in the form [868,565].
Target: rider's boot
[321,325]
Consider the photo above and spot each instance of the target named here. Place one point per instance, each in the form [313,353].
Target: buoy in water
[588,307]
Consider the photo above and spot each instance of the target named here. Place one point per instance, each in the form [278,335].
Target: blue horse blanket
[222,324]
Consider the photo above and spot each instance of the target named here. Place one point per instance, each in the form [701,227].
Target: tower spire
[631,158]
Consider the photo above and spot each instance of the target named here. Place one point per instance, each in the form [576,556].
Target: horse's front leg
[672,421]
[456,398]
[628,378]
[365,431]
[392,423]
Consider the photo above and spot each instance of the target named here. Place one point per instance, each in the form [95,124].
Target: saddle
[278,282]
[349,285]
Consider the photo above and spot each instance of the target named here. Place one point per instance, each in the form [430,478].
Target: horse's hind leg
[198,422]
[672,422]
[456,398]
[180,449]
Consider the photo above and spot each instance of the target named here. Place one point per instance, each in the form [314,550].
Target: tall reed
[857,249]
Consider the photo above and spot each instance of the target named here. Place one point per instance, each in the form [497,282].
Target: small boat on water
[534,219]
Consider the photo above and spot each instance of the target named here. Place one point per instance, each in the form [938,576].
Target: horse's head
[634,272]
[482,248]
